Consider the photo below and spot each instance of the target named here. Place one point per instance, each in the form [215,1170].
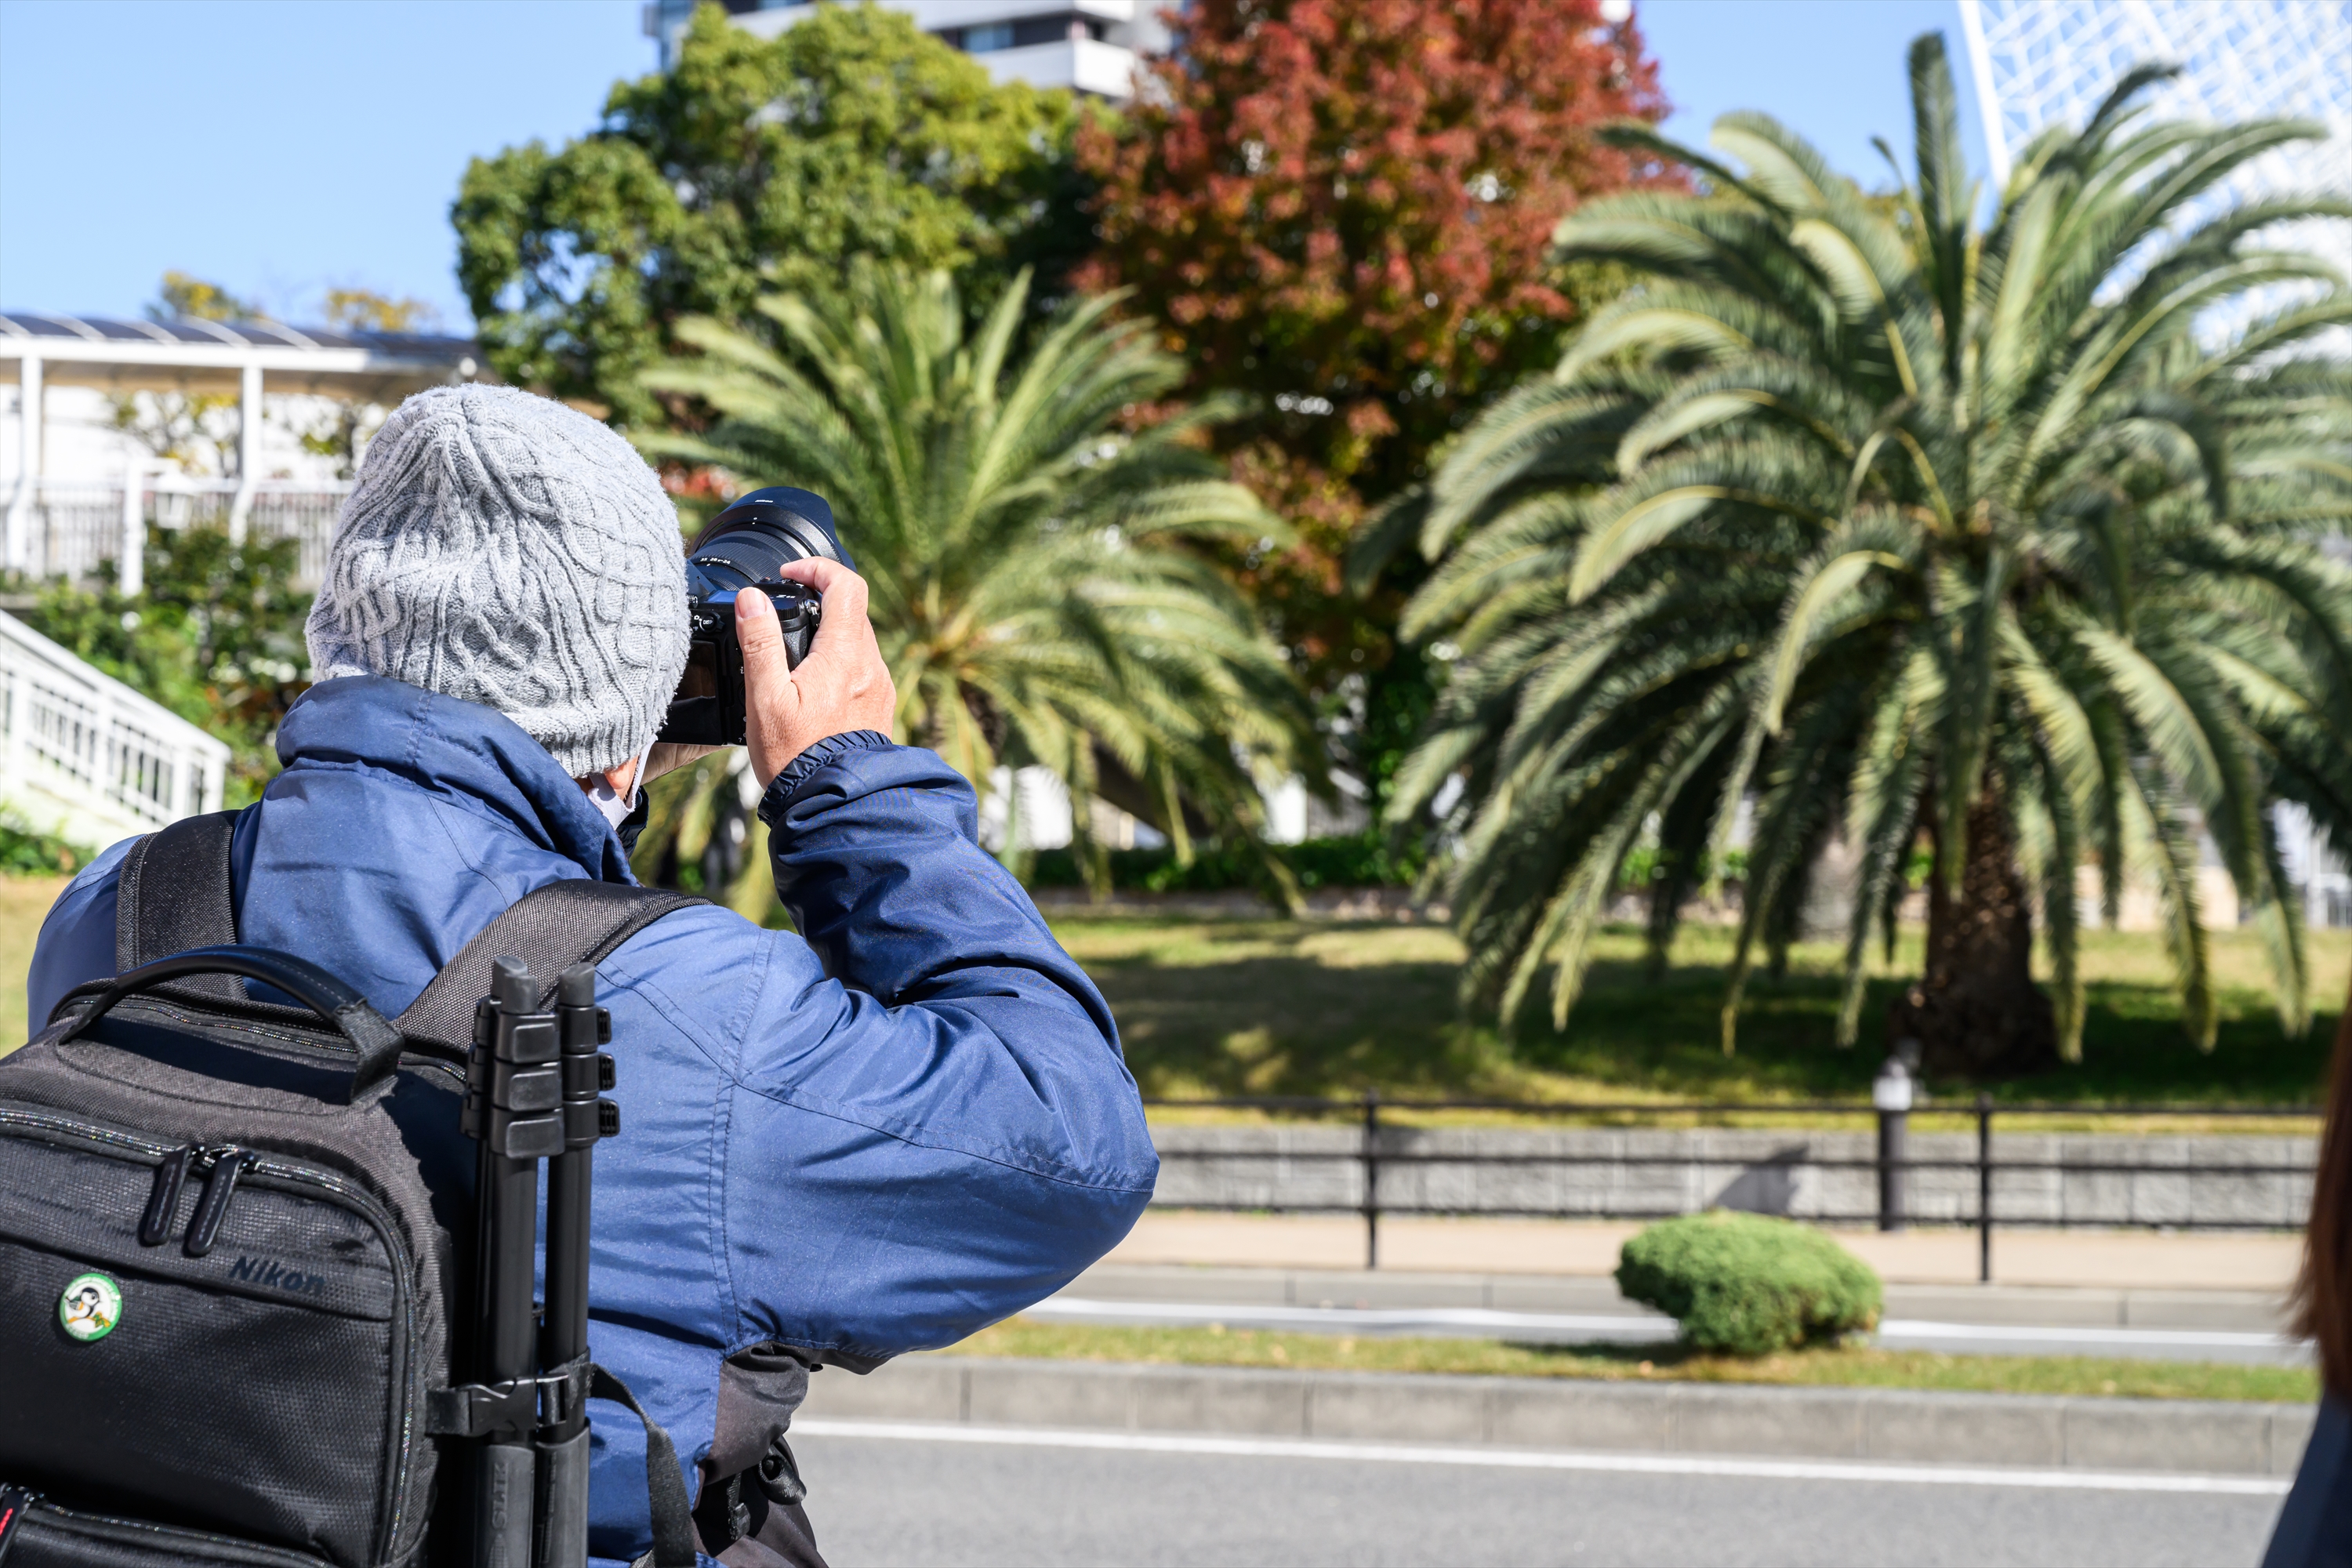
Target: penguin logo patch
[91,1306]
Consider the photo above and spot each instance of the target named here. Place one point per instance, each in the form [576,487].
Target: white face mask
[615,808]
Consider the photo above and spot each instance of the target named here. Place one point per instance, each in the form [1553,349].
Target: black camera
[743,549]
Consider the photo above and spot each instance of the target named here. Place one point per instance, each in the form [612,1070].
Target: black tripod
[531,1087]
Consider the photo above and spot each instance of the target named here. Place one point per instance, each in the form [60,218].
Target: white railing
[87,758]
[77,524]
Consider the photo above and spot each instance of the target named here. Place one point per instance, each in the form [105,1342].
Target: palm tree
[1882,526]
[1037,581]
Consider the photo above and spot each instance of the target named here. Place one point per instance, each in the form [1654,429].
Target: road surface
[924,1497]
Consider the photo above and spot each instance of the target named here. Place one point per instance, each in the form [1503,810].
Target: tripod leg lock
[512,1411]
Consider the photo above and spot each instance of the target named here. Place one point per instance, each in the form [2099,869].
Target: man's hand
[843,685]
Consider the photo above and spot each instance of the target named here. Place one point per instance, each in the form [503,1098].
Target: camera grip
[708,709]
[798,610]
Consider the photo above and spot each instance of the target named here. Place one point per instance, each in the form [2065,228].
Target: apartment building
[1091,45]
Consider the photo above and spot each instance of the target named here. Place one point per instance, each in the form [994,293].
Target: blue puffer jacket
[881,1138]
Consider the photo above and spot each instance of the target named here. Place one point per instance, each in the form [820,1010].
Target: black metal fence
[1893,1164]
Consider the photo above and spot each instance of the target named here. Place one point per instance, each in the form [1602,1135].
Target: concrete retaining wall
[2206,1436]
[1763,1171]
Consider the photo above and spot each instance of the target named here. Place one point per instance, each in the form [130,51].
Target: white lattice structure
[2050,62]
[84,757]
[2044,62]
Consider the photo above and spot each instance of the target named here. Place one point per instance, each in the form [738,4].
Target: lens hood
[759,532]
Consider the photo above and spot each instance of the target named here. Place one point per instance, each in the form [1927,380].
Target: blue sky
[1831,69]
[282,148]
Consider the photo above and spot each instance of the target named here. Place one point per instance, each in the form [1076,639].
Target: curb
[2198,1437]
[2014,1306]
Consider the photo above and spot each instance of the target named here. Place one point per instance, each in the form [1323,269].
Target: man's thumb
[762,638]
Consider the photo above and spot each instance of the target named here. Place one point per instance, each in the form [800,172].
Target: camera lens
[752,540]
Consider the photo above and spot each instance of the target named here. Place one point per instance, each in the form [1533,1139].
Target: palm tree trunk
[1976,1012]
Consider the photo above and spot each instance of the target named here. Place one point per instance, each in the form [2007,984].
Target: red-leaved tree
[1342,207]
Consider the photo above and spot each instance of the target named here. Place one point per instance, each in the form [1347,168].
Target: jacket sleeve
[935,1084]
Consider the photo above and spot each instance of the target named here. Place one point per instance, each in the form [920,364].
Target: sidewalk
[2078,1258]
[1591,1299]
[2187,1438]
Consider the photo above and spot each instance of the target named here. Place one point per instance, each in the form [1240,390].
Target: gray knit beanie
[506,549]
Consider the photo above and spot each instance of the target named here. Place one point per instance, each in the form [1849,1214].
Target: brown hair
[2321,1302]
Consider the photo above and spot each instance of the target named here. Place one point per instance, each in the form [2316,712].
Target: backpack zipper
[222,1163]
[275,1173]
[19,1504]
[163,1201]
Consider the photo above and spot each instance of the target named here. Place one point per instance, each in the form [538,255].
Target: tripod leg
[516,1077]
[563,1481]
[563,1445]
[506,1498]
[505,1501]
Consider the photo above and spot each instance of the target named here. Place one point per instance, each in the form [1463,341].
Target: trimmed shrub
[1747,1284]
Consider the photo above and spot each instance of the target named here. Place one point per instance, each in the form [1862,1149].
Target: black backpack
[235,1245]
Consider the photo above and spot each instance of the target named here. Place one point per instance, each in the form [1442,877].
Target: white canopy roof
[212,356]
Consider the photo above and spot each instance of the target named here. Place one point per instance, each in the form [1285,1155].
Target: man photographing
[907,1121]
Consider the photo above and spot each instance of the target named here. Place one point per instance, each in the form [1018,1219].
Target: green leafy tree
[365,310]
[1902,528]
[756,166]
[182,296]
[1037,584]
[341,430]
[195,431]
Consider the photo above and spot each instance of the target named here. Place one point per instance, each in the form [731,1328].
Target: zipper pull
[224,1165]
[15,1502]
[163,1202]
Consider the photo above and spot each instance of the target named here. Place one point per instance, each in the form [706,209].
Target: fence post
[131,549]
[1371,1178]
[1984,1188]
[1890,1093]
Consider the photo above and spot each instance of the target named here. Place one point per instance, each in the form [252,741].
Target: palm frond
[1035,578]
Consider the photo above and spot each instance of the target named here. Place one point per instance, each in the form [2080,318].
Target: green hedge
[1360,860]
[29,853]
[1747,1284]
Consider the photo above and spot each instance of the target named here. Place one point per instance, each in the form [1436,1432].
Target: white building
[1091,45]
[75,486]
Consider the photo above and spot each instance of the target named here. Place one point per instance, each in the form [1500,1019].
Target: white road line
[1914,1329]
[1539,1460]
[1617,1325]
[1074,1308]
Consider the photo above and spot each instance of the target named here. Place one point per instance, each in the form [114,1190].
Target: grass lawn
[22,902]
[1827,1366]
[1235,1007]
[1270,1007]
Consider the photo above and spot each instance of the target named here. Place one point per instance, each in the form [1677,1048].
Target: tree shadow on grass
[1290,1024]
[1279,1019]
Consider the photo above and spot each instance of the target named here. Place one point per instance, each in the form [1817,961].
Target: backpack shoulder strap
[175,893]
[549,930]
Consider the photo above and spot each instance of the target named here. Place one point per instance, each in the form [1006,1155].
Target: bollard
[1984,1188]
[1371,1178]
[1890,1095]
